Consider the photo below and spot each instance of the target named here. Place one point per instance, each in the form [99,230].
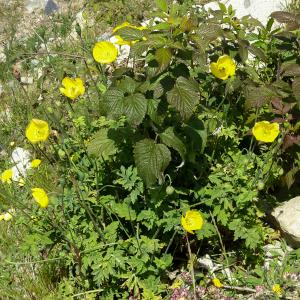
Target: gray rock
[50,7]
[287,217]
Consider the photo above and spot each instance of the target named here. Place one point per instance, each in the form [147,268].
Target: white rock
[27,80]
[32,5]
[2,55]
[1,89]
[259,9]
[20,155]
[287,217]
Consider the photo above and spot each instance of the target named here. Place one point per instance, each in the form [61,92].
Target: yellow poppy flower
[217,283]
[192,221]
[119,39]
[37,131]
[35,163]
[265,131]
[40,197]
[223,68]
[105,52]
[277,289]
[6,176]
[72,87]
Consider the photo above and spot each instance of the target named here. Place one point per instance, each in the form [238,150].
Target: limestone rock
[259,9]
[287,216]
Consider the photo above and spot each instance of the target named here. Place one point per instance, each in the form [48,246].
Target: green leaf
[243,49]
[151,160]
[163,57]
[123,210]
[285,17]
[258,96]
[127,85]
[258,53]
[130,34]
[101,146]
[152,111]
[162,4]
[184,96]
[169,138]
[134,106]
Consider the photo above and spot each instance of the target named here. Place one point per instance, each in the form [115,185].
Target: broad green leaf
[184,96]
[113,103]
[258,96]
[290,69]
[285,17]
[130,34]
[169,138]
[162,4]
[127,85]
[101,146]
[163,57]
[152,106]
[123,210]
[243,49]
[134,106]
[258,53]
[151,160]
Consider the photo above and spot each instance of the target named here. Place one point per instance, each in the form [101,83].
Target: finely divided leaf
[151,160]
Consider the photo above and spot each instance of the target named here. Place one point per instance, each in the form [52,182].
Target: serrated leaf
[134,106]
[169,138]
[152,106]
[123,210]
[130,34]
[285,17]
[127,85]
[162,4]
[184,96]
[290,69]
[151,160]
[258,96]
[209,32]
[258,53]
[101,146]
[163,57]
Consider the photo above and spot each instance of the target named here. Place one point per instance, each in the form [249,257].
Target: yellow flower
[265,131]
[119,40]
[6,176]
[105,52]
[37,131]
[35,163]
[6,216]
[73,88]
[217,283]
[40,197]
[192,221]
[277,289]
[223,68]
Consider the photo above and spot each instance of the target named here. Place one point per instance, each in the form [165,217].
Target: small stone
[287,217]
[26,80]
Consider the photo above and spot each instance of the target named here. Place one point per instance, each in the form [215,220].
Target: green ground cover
[140,155]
